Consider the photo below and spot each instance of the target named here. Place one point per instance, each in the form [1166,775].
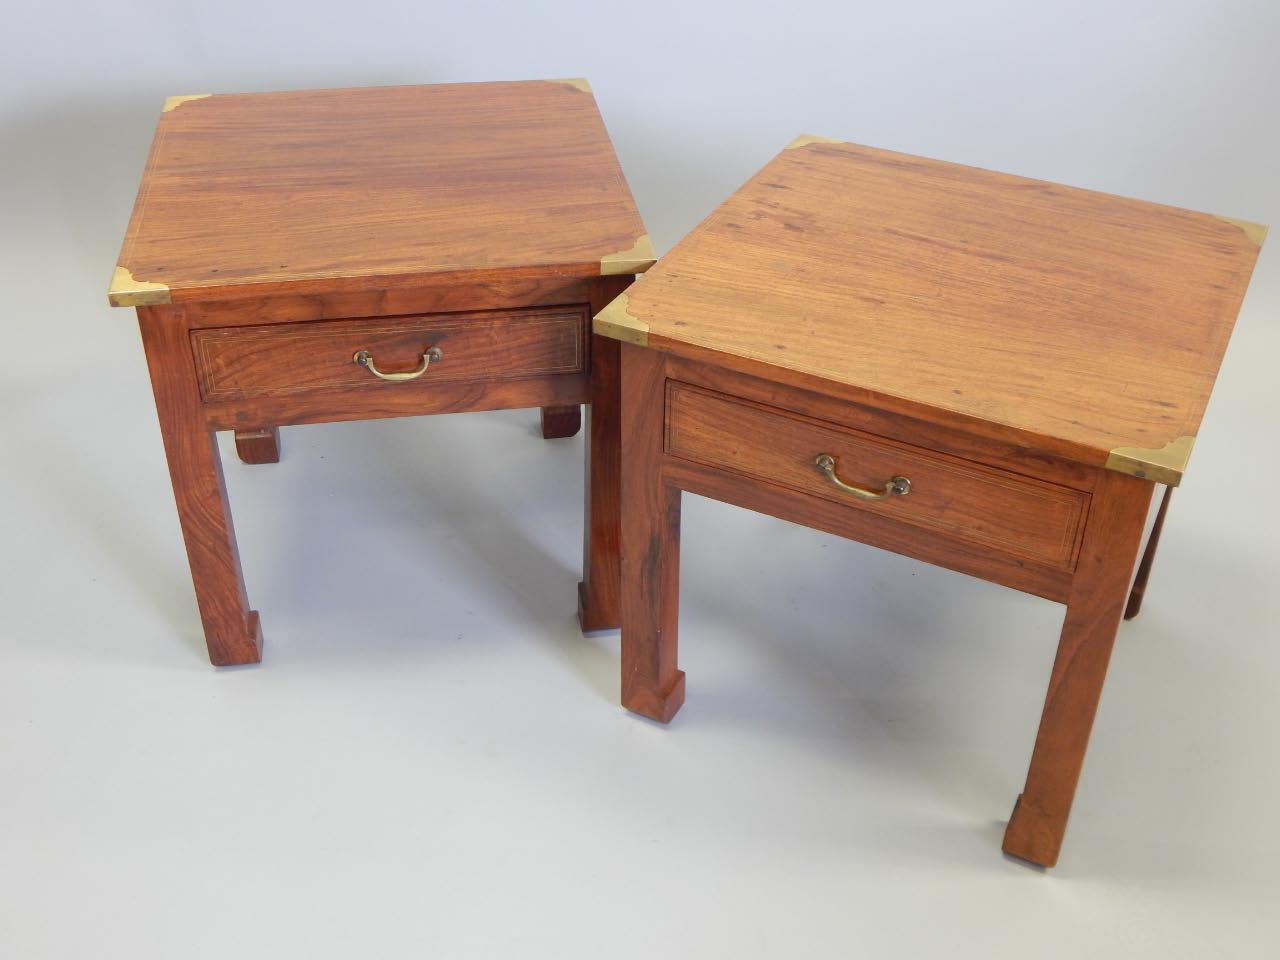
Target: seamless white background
[430,761]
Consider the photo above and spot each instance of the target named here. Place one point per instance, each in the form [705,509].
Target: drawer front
[1019,516]
[239,363]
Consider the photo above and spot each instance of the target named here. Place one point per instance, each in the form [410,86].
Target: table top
[368,189]
[1072,322]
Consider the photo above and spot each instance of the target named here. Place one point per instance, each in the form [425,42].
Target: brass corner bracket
[616,322]
[1254,232]
[171,102]
[636,260]
[578,83]
[1164,465]
[128,292]
[807,138]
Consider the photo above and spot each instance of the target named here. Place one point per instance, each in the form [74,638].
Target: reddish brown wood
[1024,461]
[297,229]
[599,600]
[1134,605]
[652,684]
[1060,319]
[1016,347]
[258,446]
[360,403]
[239,363]
[1116,519]
[335,192]
[992,509]
[231,629]
[559,423]
[868,527]
[432,295]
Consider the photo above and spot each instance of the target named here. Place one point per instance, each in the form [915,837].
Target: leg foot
[589,620]
[259,446]
[561,422]
[654,704]
[246,647]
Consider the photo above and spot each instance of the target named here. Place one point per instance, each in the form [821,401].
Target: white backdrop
[429,762]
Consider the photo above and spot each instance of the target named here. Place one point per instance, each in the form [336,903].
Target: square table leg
[559,423]
[231,629]
[1117,514]
[598,593]
[258,446]
[652,685]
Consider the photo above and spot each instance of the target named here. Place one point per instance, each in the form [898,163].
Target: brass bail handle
[896,487]
[429,356]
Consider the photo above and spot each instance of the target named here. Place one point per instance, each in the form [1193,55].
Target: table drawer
[238,363]
[965,501]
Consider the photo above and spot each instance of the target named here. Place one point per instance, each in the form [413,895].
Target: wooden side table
[976,370]
[350,254]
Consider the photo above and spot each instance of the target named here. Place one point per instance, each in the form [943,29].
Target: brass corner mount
[639,258]
[578,83]
[616,322]
[807,138]
[1164,464]
[171,103]
[125,291]
[1255,233]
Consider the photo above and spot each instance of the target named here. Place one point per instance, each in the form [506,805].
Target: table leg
[259,446]
[1148,557]
[231,629]
[598,593]
[561,422]
[652,684]
[1117,513]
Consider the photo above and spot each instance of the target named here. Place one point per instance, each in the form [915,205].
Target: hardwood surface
[559,423]
[652,684]
[232,631]
[1097,600]
[277,236]
[962,500]
[238,363]
[258,446]
[345,191]
[363,403]
[1139,589]
[599,593]
[1003,455]
[1033,357]
[447,294]
[1067,321]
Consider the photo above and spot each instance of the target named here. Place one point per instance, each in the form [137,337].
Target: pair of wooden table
[973,369]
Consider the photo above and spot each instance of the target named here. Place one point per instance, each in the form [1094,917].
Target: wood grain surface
[232,631]
[1098,593]
[343,191]
[652,683]
[1054,318]
[258,446]
[959,499]
[599,593]
[238,363]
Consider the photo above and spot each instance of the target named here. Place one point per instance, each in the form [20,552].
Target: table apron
[398,400]
[864,527]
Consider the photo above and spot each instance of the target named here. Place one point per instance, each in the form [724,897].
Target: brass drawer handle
[363,359]
[897,487]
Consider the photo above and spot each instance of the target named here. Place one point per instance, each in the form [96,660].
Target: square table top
[370,188]
[1071,322]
